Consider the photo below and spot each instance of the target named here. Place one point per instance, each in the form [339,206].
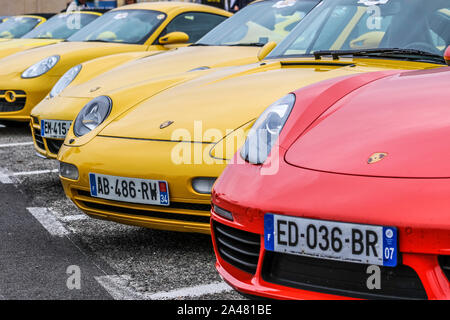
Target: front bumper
[423,271]
[189,211]
[58,108]
[28,92]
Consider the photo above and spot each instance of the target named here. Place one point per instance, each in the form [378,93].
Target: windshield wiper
[97,40]
[250,44]
[200,45]
[410,54]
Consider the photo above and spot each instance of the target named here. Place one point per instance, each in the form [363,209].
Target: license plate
[56,129]
[357,243]
[154,192]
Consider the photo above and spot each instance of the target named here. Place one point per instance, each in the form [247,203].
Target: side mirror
[447,55]
[264,51]
[174,37]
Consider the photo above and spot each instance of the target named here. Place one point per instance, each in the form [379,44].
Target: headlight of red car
[266,130]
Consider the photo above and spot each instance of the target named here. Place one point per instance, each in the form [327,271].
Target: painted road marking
[18,144]
[192,292]
[30,173]
[117,287]
[48,220]
[75,217]
[6,176]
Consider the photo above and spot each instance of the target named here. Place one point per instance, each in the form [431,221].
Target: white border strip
[192,292]
[117,287]
[11,145]
[30,173]
[48,220]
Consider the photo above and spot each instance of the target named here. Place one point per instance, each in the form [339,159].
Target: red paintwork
[447,55]
[419,208]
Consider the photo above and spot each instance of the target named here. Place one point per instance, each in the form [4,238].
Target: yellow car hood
[70,53]
[144,69]
[16,45]
[227,99]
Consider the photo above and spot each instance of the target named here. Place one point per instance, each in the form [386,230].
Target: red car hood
[405,117]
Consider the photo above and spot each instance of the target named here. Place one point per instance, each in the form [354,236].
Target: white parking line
[192,292]
[75,217]
[118,289]
[48,220]
[11,145]
[6,176]
[30,173]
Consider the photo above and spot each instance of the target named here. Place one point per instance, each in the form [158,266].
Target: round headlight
[92,115]
[65,80]
[266,130]
[40,68]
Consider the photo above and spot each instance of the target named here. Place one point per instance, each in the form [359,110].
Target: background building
[14,7]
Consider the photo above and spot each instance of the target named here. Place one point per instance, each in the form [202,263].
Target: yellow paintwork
[130,142]
[11,46]
[74,53]
[157,72]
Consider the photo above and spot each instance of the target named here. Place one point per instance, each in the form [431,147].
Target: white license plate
[357,243]
[154,192]
[56,129]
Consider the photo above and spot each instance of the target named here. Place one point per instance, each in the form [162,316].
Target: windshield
[61,26]
[16,27]
[121,26]
[259,23]
[370,24]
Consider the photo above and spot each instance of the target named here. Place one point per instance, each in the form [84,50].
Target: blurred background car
[244,38]
[31,74]
[56,29]
[17,26]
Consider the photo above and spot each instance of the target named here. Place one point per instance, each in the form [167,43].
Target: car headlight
[40,68]
[92,115]
[266,130]
[65,80]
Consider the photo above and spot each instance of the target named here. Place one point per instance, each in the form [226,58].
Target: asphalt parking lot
[42,234]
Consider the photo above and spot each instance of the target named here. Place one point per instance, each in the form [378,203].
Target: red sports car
[342,190]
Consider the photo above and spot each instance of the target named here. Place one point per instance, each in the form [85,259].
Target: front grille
[444,262]
[16,105]
[54,145]
[237,247]
[38,139]
[340,278]
[154,214]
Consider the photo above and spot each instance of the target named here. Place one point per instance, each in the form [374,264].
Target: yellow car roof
[166,6]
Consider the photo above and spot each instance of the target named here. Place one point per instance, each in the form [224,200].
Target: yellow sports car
[236,41]
[17,26]
[56,29]
[29,76]
[154,165]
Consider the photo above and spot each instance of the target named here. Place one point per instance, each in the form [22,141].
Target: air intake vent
[54,145]
[238,248]
[12,100]
[38,139]
[340,278]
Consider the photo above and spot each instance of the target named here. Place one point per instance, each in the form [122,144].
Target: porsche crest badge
[165,124]
[376,157]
